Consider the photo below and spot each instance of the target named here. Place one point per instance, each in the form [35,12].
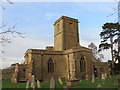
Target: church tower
[66,33]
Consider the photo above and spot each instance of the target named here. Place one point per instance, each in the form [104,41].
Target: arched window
[82,64]
[50,66]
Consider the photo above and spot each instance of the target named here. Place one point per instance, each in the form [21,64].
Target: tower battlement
[66,34]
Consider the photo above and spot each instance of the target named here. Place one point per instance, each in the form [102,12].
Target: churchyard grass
[9,84]
[109,83]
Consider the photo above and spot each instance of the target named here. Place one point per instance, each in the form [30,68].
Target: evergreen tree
[109,31]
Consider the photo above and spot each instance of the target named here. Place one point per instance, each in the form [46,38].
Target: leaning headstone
[87,77]
[38,84]
[60,81]
[27,84]
[93,79]
[52,83]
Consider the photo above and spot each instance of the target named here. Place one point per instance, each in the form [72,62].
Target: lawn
[108,83]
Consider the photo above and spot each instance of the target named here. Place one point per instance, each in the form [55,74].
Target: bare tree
[95,52]
[8,32]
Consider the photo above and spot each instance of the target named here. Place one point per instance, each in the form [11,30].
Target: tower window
[24,70]
[50,66]
[70,23]
[70,26]
[82,64]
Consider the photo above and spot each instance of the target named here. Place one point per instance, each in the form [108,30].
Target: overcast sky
[36,20]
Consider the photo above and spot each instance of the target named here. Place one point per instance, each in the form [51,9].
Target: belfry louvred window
[50,66]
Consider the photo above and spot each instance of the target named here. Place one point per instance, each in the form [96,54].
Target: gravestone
[33,81]
[27,84]
[73,82]
[103,76]
[60,81]
[52,83]
[93,79]
[38,84]
[87,77]
[15,80]
[65,88]
[99,86]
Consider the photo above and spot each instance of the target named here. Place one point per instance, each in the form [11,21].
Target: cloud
[7,61]
[50,15]
[15,51]
[97,6]
[22,44]
[90,35]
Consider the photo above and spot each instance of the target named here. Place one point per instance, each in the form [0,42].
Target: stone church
[67,59]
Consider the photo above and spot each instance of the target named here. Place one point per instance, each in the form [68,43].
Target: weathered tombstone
[15,80]
[73,82]
[93,79]
[103,76]
[34,85]
[60,81]
[27,84]
[68,83]
[65,88]
[38,84]
[99,86]
[87,77]
[52,83]
[33,81]
[31,84]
